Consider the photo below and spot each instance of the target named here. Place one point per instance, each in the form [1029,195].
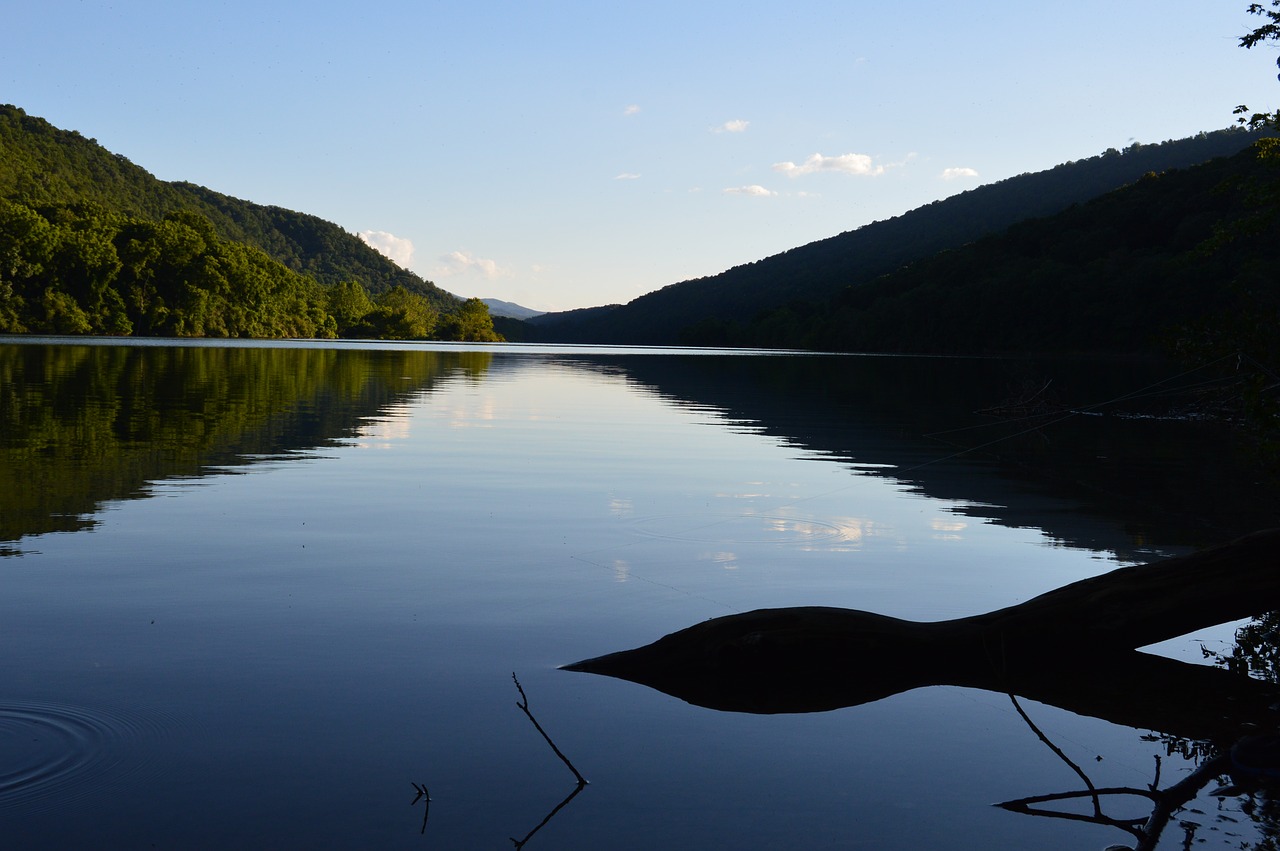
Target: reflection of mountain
[83,425]
[1134,486]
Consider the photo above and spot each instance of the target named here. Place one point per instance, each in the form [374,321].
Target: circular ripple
[49,750]
[739,529]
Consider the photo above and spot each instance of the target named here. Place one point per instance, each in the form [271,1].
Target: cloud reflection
[381,432]
[947,528]
[727,560]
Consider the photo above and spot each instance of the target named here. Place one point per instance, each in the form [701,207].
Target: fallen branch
[1073,647]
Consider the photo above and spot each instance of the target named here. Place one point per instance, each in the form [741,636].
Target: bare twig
[1097,805]
[1146,830]
[424,796]
[520,843]
[523,703]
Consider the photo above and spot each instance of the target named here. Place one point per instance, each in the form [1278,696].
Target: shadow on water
[1111,456]
[1074,648]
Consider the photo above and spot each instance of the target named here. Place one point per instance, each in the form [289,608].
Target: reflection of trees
[1147,483]
[81,425]
[1256,651]
[1072,648]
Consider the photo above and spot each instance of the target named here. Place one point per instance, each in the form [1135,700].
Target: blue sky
[569,154]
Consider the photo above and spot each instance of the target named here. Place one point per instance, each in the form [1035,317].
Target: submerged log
[1072,647]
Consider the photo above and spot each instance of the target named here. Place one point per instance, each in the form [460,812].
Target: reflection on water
[1073,648]
[1105,470]
[313,569]
[82,425]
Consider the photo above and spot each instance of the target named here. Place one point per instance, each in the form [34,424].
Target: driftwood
[1074,647]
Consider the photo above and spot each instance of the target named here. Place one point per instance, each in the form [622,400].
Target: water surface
[255,592]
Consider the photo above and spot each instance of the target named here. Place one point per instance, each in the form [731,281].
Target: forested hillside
[1151,267]
[91,243]
[702,310]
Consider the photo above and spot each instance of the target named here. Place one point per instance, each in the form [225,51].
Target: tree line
[1140,270]
[82,268]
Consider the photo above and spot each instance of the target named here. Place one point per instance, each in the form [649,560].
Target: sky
[569,154]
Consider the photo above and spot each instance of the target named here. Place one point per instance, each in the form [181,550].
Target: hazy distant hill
[510,310]
[43,165]
[818,271]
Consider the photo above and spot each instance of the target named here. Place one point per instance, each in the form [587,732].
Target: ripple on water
[51,753]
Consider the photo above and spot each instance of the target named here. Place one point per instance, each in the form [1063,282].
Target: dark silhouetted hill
[712,309]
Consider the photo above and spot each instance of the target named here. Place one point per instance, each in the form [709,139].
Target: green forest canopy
[92,244]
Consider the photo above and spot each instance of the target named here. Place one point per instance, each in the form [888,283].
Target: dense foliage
[92,244]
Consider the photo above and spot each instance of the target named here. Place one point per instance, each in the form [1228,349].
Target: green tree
[402,315]
[27,246]
[157,259]
[85,267]
[61,315]
[471,323]
[1269,31]
[348,303]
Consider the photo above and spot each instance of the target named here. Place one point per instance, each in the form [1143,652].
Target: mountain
[92,244]
[44,166]
[1181,260]
[819,270]
[498,307]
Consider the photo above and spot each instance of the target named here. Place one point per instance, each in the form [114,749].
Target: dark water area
[257,595]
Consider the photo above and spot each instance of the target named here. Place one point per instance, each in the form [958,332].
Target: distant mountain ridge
[510,310]
[817,271]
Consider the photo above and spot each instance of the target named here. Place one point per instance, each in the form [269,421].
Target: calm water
[252,594]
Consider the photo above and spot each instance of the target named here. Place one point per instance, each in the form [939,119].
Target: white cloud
[631,109]
[627,175]
[397,249]
[737,125]
[859,164]
[754,189]
[463,263]
[956,173]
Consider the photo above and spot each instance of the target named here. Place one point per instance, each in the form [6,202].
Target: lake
[259,594]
